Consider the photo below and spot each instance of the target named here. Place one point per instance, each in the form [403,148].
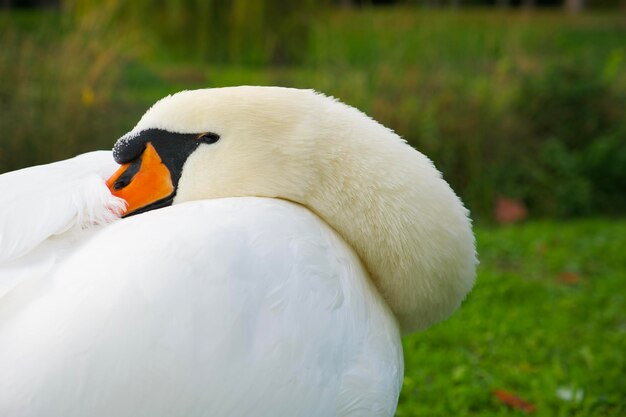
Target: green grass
[524,330]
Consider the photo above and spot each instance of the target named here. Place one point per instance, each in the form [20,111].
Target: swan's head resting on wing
[383,197]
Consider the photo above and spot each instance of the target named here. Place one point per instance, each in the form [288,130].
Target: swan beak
[144,183]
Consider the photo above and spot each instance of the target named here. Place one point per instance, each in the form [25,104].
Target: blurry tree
[56,88]
[574,6]
[225,31]
[570,5]
[29,3]
[577,123]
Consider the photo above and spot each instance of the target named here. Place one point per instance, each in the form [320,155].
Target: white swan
[302,239]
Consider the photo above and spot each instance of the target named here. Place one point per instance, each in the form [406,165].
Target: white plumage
[238,300]
[42,201]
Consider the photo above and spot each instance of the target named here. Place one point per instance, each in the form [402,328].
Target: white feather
[38,202]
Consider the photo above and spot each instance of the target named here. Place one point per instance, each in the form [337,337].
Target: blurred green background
[521,105]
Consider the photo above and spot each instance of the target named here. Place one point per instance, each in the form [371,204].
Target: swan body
[295,240]
[272,314]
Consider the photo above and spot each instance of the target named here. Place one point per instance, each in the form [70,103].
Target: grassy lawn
[547,315]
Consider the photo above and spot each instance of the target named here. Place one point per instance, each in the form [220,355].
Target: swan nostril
[119,184]
[127,176]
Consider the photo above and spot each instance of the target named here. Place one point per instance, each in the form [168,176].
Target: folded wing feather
[39,202]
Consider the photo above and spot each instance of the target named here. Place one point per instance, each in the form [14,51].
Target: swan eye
[208,138]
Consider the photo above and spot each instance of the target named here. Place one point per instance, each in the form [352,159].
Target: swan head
[383,197]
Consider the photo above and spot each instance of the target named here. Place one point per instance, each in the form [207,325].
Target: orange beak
[143,182]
